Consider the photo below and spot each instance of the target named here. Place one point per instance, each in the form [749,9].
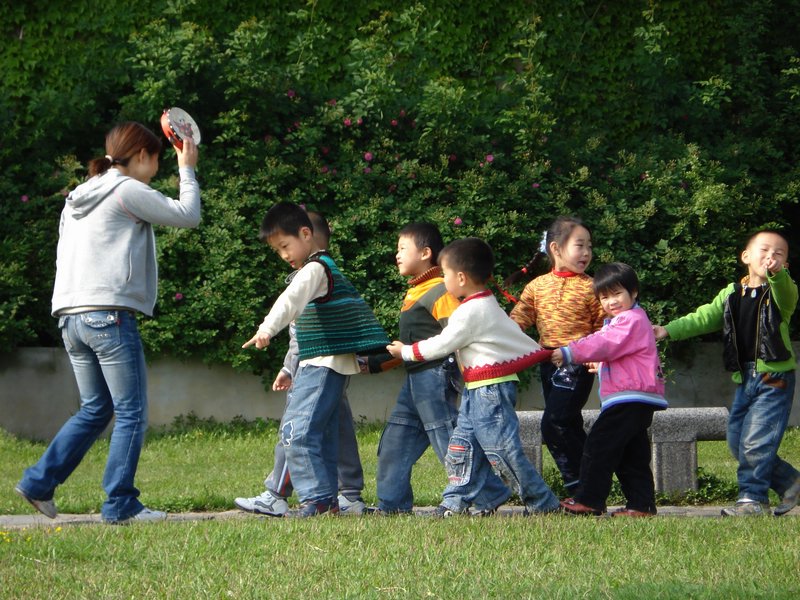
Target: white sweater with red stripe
[489,345]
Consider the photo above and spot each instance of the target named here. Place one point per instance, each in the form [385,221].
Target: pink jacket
[630,369]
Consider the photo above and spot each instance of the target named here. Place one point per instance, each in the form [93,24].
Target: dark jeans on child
[351,474]
[562,421]
[618,443]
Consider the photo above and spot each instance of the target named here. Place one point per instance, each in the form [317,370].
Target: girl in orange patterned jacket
[563,308]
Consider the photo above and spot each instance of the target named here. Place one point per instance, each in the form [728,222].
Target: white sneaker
[351,507]
[144,516]
[266,503]
[46,507]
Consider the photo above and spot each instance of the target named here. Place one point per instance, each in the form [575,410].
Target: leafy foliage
[671,130]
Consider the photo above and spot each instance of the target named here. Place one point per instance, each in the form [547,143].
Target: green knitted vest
[340,322]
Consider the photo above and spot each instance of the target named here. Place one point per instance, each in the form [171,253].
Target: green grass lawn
[202,466]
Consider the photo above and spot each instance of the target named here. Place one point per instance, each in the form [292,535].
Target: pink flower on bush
[290,93]
[325,150]
[24,198]
[402,112]
[332,102]
[368,156]
[393,122]
[452,158]
[489,158]
[457,221]
[359,121]
[178,296]
[367,170]
[480,164]
[534,185]
[347,122]
[323,170]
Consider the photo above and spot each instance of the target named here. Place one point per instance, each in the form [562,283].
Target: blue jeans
[758,419]
[351,474]
[424,415]
[310,432]
[107,358]
[486,438]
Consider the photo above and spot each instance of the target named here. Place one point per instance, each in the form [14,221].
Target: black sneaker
[314,508]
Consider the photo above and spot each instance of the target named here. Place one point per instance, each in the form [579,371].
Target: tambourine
[178,125]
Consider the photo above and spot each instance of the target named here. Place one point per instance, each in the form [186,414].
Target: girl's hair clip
[543,243]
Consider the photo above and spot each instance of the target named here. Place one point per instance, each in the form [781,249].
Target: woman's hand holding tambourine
[187,156]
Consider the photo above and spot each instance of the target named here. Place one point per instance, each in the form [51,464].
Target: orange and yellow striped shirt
[562,307]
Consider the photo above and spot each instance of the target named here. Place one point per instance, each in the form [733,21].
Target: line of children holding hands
[450,322]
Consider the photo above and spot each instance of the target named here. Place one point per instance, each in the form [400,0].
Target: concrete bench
[674,436]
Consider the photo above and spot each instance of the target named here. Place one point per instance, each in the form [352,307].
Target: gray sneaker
[145,515]
[349,507]
[746,508]
[790,499]
[46,507]
[265,503]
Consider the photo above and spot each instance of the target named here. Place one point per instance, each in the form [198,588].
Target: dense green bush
[670,127]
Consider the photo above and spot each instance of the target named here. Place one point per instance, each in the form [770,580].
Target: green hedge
[672,128]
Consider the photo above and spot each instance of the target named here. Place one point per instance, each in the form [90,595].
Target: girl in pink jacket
[631,389]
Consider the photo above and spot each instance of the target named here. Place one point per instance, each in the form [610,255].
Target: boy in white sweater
[491,350]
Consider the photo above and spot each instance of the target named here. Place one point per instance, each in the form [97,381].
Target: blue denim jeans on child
[310,432]
[425,415]
[756,425]
[107,358]
[486,437]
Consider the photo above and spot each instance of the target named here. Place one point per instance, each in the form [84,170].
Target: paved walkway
[37,520]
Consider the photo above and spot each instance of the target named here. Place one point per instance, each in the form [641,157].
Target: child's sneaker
[790,499]
[266,503]
[315,508]
[443,512]
[349,507]
[745,508]
[46,507]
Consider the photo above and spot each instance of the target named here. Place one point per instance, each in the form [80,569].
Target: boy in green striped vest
[333,324]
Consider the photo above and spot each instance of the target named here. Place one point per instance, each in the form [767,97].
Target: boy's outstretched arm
[260,339]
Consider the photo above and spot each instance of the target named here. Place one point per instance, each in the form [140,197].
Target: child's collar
[563,273]
[476,295]
[315,255]
[431,273]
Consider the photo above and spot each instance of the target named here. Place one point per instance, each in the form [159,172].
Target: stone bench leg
[675,466]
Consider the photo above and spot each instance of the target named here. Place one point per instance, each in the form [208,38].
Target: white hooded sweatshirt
[106,247]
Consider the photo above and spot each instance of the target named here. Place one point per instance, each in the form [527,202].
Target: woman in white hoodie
[106,273]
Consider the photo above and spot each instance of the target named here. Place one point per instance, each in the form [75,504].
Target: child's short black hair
[615,275]
[472,256]
[425,235]
[777,232]
[284,217]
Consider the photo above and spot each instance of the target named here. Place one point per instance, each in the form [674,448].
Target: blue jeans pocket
[100,329]
[458,461]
